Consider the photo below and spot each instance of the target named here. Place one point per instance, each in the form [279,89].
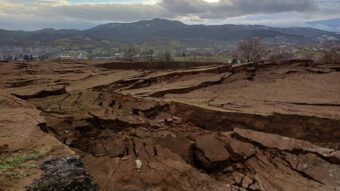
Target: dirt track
[213,127]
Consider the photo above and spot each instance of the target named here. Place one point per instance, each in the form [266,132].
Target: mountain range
[161,31]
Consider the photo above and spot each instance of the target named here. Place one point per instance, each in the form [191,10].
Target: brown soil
[197,127]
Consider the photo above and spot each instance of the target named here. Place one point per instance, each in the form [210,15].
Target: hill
[161,31]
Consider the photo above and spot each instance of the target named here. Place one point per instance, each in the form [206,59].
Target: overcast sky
[82,14]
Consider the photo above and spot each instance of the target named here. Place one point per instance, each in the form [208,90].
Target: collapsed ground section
[190,128]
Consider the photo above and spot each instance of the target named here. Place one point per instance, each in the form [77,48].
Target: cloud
[233,8]
[207,11]
[329,24]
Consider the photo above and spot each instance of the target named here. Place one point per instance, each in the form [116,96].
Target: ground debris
[64,174]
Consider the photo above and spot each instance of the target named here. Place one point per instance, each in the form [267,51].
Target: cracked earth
[192,127]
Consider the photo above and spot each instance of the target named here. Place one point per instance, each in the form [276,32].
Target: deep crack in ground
[190,137]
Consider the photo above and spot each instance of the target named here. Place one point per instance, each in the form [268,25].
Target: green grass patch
[9,162]
[4,103]
[14,175]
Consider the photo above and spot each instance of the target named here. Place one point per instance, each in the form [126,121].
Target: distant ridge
[162,30]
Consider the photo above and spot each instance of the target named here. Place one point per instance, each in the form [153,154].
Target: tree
[250,50]
[167,56]
[147,54]
[332,56]
[130,53]
[282,56]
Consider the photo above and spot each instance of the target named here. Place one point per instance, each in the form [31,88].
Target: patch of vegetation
[14,175]
[4,103]
[9,162]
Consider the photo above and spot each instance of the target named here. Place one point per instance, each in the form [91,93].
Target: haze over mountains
[162,30]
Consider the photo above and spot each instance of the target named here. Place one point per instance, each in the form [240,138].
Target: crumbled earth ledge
[112,127]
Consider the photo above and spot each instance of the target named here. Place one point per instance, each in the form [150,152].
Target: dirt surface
[23,145]
[200,127]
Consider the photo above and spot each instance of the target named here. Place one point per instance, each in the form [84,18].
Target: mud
[245,127]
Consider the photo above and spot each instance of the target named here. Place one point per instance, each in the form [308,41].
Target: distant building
[81,56]
[103,58]
[118,56]
[28,57]
[63,57]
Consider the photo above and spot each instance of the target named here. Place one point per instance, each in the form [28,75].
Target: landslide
[188,129]
[185,147]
